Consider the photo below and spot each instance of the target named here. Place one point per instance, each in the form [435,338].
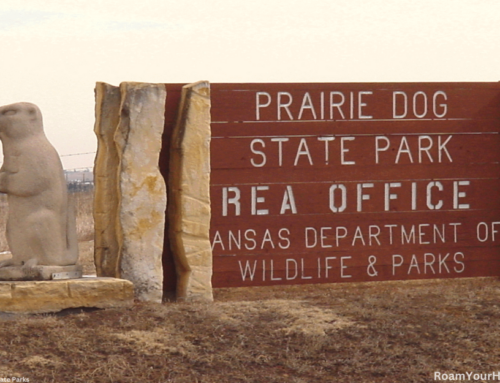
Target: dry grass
[83,204]
[86,257]
[361,332]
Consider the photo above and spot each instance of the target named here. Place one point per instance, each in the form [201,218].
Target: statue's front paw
[7,262]
[30,263]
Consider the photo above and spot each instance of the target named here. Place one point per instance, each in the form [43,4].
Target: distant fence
[78,179]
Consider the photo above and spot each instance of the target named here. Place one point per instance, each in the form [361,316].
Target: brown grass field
[358,332]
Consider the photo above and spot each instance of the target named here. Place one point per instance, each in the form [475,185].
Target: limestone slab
[53,296]
[39,273]
[141,187]
[189,193]
[106,200]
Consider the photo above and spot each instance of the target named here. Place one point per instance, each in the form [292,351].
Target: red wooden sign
[320,183]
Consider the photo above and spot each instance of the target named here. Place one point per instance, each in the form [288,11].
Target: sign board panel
[321,183]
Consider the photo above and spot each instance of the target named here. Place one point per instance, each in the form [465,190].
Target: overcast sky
[54,51]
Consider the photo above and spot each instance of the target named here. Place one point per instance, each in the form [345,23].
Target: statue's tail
[71,237]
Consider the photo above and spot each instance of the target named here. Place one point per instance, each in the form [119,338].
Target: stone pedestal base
[40,273]
[32,297]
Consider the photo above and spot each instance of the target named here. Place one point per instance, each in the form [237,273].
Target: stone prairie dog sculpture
[41,230]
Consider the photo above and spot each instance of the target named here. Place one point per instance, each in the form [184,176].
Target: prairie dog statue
[41,230]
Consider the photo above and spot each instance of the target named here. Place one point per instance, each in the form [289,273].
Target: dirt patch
[298,317]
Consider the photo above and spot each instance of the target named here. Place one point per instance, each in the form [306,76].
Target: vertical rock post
[141,187]
[106,246]
[131,194]
[189,194]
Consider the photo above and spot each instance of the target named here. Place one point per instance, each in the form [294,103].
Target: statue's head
[20,119]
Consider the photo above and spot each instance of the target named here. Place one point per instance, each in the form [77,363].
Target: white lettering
[343,191]
[235,200]
[395,96]
[282,105]
[485,237]
[422,148]
[273,278]
[358,234]
[260,105]
[430,264]
[303,150]
[267,238]
[302,274]
[217,239]
[336,104]
[287,262]
[373,235]
[361,196]
[444,107]
[413,196]
[256,200]
[258,152]
[342,267]
[309,244]
[339,236]
[327,265]
[343,151]
[404,148]
[326,140]
[431,185]
[288,201]
[250,239]
[394,264]
[455,258]
[388,196]
[280,141]
[361,104]
[247,271]
[307,104]
[424,103]
[442,148]
[421,234]
[379,148]
[413,264]
[283,238]
[323,237]
[461,194]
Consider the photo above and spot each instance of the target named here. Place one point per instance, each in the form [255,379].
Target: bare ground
[362,332]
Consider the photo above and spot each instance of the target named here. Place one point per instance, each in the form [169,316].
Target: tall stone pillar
[130,191]
[106,246]
[189,194]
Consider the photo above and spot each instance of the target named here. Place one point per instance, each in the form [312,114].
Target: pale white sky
[53,51]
